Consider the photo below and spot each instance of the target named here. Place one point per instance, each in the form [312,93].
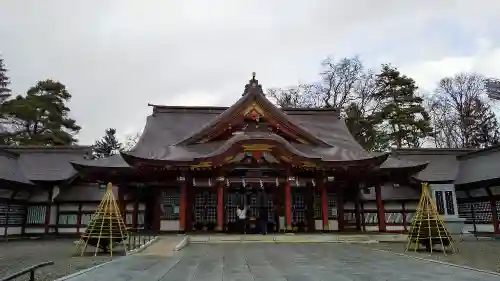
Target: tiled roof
[37,163]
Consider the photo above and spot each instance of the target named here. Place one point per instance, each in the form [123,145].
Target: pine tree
[403,116]
[108,145]
[41,117]
[4,82]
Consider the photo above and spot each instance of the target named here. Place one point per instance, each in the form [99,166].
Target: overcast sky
[115,57]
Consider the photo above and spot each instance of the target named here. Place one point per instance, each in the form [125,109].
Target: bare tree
[339,81]
[461,114]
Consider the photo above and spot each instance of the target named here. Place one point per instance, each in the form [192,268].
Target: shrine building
[193,166]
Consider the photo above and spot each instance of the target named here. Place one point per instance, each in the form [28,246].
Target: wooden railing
[137,238]
[30,270]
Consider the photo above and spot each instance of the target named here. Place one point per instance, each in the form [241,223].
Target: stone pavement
[280,262]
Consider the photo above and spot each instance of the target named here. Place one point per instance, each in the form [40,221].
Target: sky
[116,56]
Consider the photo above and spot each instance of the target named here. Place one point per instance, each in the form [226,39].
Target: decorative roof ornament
[253,85]
[313,182]
[209,182]
[277,182]
[194,182]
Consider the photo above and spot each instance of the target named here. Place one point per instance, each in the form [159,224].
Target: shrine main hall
[192,167]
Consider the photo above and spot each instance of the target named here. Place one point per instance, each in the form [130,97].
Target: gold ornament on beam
[202,165]
[257,147]
[308,164]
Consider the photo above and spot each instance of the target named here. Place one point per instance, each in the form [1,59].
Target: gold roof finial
[109,187]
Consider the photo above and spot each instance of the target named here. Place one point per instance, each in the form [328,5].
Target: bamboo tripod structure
[427,227]
[106,227]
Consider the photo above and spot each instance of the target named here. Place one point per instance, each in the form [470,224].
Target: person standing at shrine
[241,214]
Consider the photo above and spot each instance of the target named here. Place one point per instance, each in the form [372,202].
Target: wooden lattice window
[371,218]
[394,218]
[332,206]
[70,219]
[205,207]
[36,214]
[298,208]
[170,204]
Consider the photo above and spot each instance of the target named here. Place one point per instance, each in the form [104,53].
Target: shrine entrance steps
[295,238]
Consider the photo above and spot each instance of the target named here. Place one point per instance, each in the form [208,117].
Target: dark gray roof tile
[443,163]
[10,170]
[49,163]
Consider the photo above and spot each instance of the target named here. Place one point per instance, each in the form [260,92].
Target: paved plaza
[280,262]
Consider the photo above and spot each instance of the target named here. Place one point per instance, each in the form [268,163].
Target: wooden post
[288,205]
[220,206]
[324,204]
[79,219]
[357,212]
[380,209]
[47,210]
[494,213]
[340,208]
[403,208]
[157,209]
[182,206]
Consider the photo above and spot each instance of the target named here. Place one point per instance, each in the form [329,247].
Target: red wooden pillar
[182,206]
[494,213]
[288,205]
[380,209]
[340,208]
[220,206]
[324,204]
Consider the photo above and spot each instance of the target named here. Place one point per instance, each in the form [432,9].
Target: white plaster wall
[370,206]
[371,228]
[349,206]
[13,230]
[479,227]
[68,207]
[130,207]
[395,228]
[53,215]
[90,207]
[37,230]
[333,225]
[411,205]
[69,230]
[39,196]
[169,225]
[393,206]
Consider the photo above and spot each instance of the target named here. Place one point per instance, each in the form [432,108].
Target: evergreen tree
[41,117]
[364,129]
[108,145]
[485,130]
[4,82]
[402,115]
